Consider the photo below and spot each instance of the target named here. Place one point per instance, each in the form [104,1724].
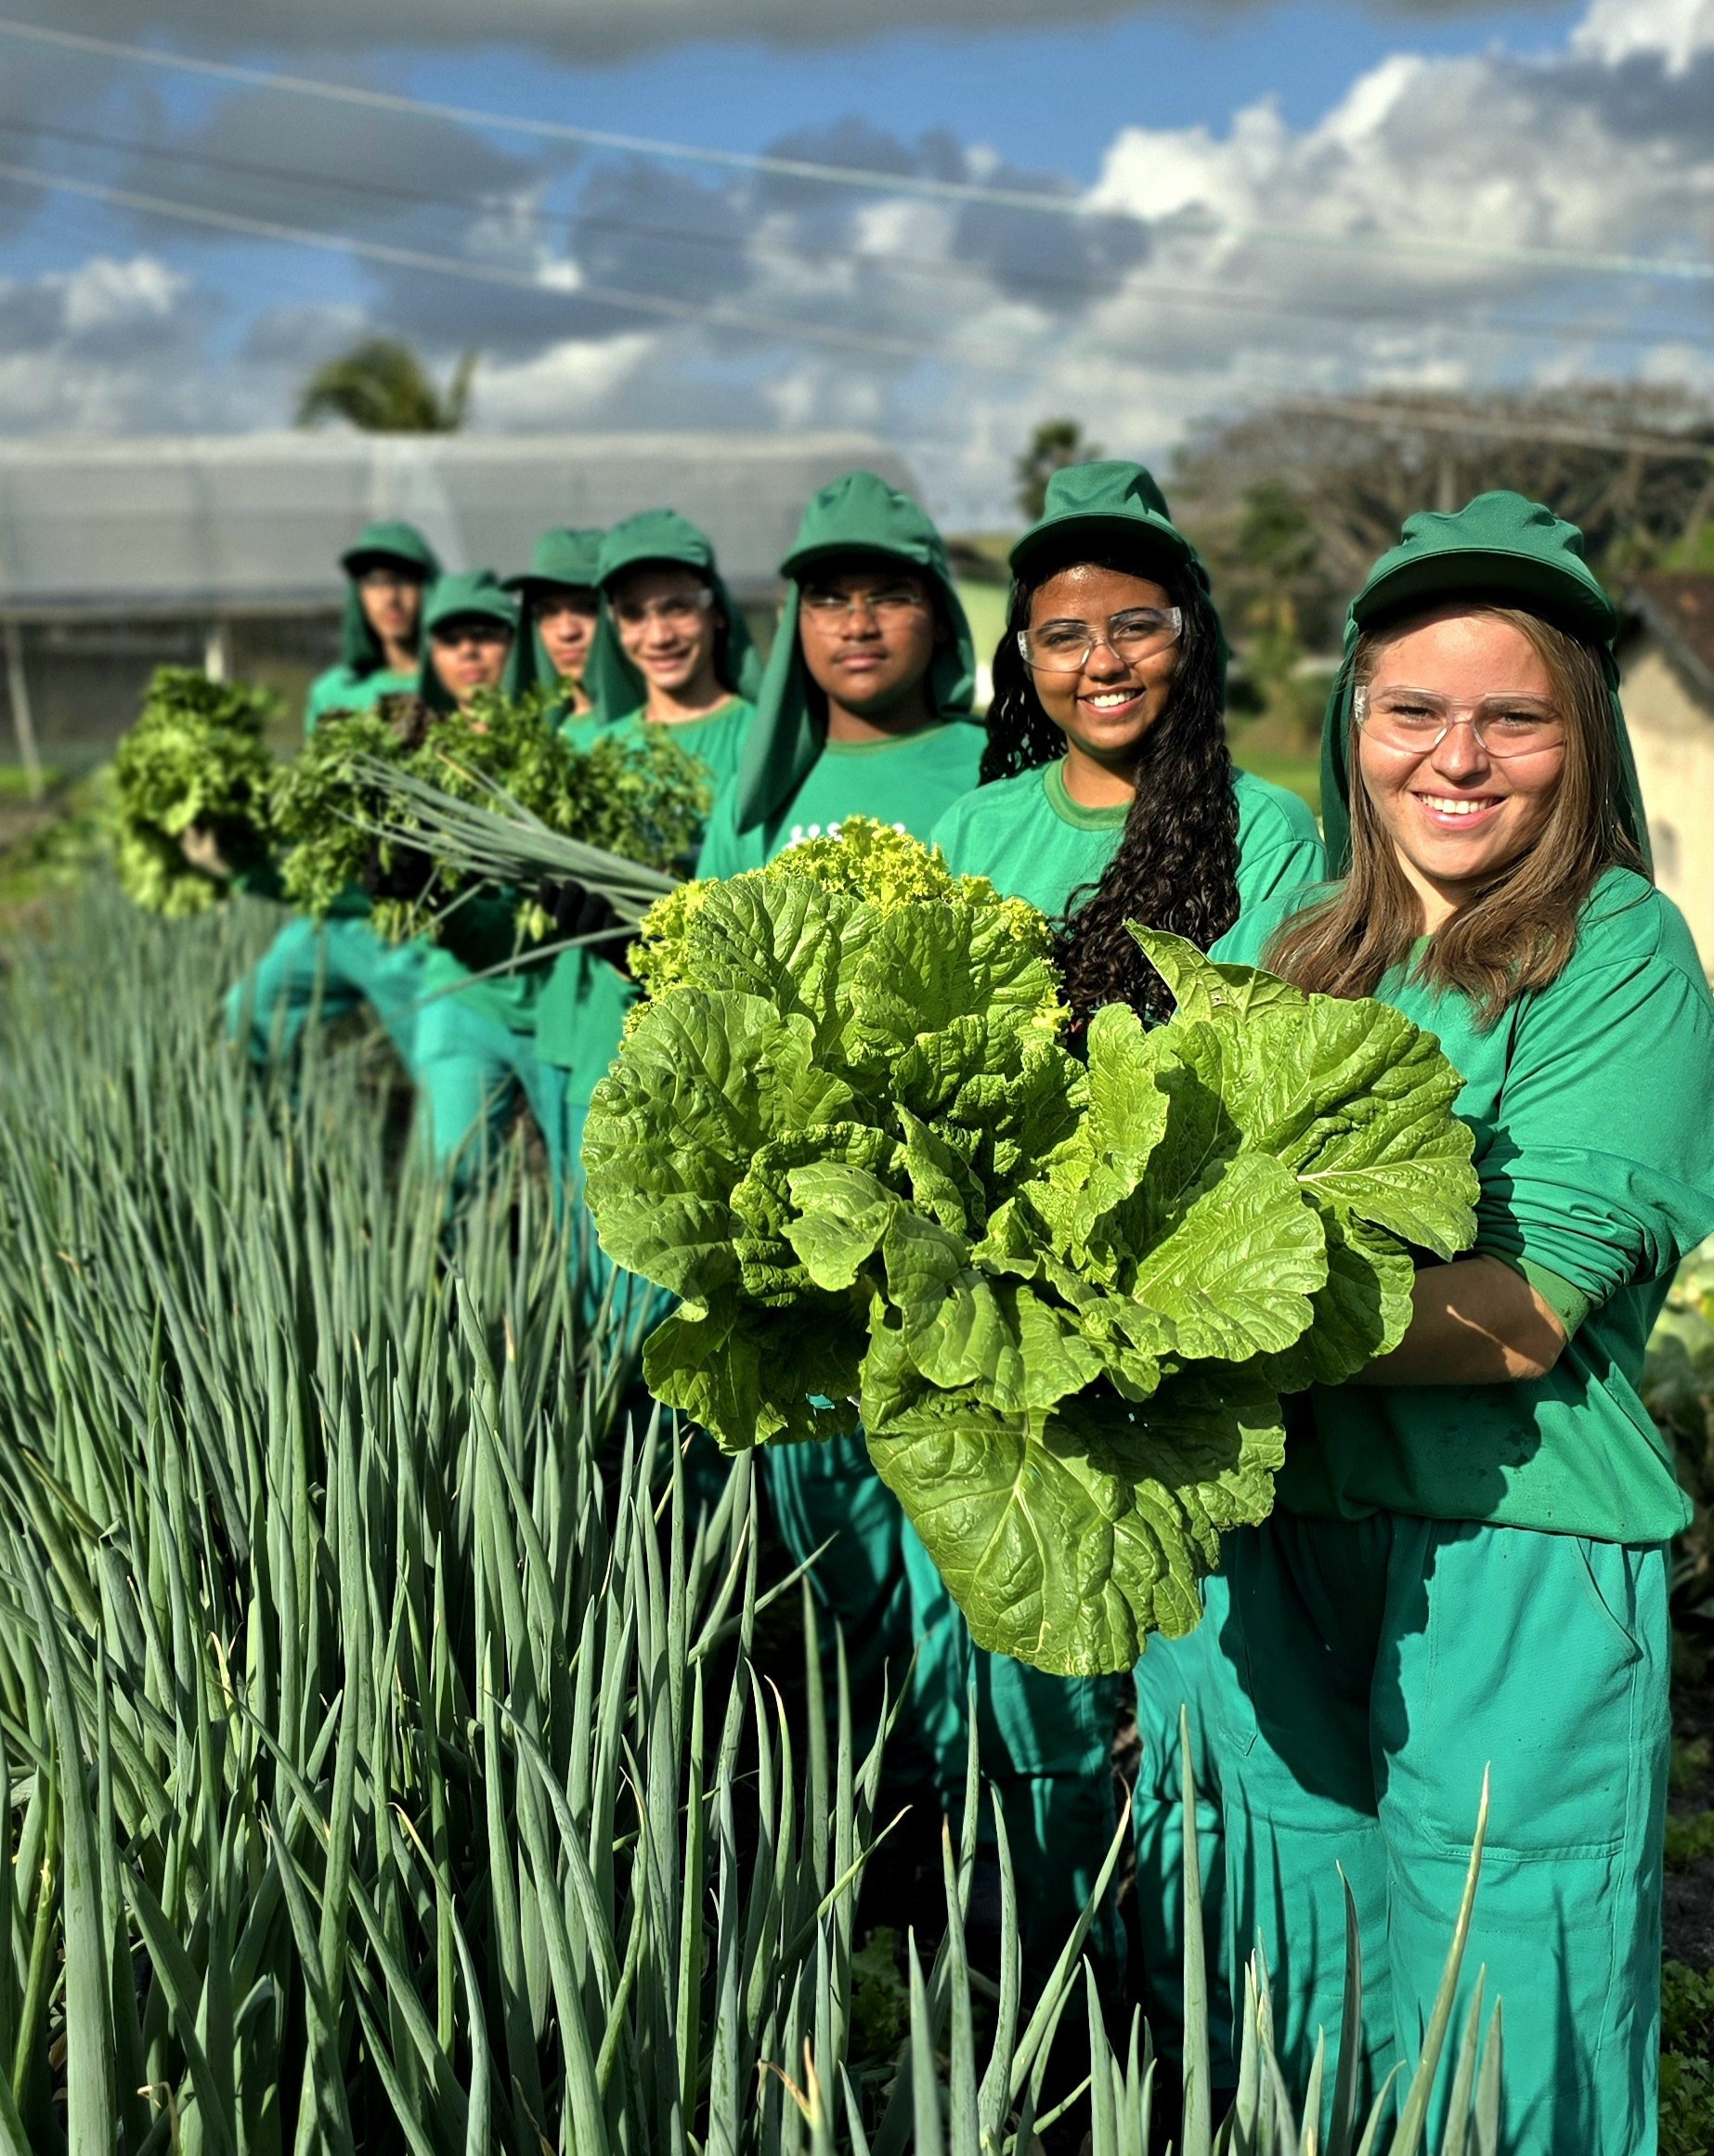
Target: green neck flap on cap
[477,591]
[611,682]
[562,556]
[1103,506]
[1500,549]
[857,516]
[359,647]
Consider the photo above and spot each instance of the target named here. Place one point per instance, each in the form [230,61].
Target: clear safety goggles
[1066,648]
[1415,721]
[887,602]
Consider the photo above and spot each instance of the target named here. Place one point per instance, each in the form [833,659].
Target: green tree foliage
[381,387]
[1055,444]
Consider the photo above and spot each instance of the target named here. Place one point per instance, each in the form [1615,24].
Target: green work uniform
[334,965]
[470,1049]
[1046,1741]
[1462,1577]
[795,783]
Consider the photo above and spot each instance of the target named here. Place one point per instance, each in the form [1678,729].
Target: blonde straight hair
[1519,932]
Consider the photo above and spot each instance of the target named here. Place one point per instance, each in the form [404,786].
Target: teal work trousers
[468,1067]
[330,967]
[1367,1673]
[828,1493]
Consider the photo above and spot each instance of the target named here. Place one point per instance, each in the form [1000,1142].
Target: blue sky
[1169,68]
[1266,201]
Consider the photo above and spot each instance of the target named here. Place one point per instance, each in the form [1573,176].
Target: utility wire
[1096,285]
[1068,204]
[742,318]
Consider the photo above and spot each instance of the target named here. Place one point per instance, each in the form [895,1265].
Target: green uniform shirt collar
[857,514]
[1503,550]
[610,682]
[400,544]
[1074,813]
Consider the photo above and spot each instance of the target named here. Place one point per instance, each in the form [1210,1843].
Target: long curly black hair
[1176,866]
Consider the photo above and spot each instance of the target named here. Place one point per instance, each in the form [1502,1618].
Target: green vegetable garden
[396,1758]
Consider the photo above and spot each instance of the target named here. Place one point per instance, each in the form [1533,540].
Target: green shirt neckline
[894,741]
[1073,812]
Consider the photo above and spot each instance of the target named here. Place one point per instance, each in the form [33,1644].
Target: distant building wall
[1672,736]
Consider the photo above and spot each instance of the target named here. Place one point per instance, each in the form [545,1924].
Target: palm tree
[383,387]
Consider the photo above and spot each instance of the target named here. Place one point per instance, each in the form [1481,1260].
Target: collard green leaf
[674,1127]
[1066,1538]
[1355,1101]
[1235,1275]
[749,1377]
[1359,1313]
[1204,987]
[925,966]
[843,1213]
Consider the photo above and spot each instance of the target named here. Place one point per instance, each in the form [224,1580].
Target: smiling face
[869,634]
[668,621]
[565,615]
[469,653]
[1107,706]
[1456,813]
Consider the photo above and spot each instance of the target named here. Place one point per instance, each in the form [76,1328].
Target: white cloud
[1439,226]
[1675,30]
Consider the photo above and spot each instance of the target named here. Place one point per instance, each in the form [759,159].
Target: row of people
[1467,1564]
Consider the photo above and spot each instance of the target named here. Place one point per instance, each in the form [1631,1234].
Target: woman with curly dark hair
[1108,796]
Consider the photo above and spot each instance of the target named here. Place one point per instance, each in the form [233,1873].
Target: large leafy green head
[1063,1296]
[195,758]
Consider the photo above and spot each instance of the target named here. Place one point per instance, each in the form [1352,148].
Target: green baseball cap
[1103,505]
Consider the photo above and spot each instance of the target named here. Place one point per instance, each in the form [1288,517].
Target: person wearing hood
[386,573]
[865,706]
[1108,796]
[1466,1569]
[466,1046]
[334,965]
[559,611]
[672,649]
[865,709]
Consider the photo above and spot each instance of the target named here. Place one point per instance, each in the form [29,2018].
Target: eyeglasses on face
[484,632]
[1067,646]
[1413,721]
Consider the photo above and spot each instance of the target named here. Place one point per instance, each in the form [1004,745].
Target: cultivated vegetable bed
[1062,1285]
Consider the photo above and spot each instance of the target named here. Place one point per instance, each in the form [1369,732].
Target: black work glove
[408,873]
[578,911]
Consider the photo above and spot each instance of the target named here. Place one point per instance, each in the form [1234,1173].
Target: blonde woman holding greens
[1466,1569]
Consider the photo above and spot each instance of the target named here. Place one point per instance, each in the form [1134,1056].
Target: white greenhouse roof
[237,521]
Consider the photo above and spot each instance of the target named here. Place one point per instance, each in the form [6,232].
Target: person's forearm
[1475,1322]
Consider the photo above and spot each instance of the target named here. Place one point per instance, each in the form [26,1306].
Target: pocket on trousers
[1612,1559]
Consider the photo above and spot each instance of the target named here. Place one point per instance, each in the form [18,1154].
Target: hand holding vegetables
[193,782]
[1063,1297]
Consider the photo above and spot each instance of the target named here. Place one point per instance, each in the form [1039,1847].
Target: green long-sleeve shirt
[910,783]
[579,1011]
[1032,841]
[342,688]
[1595,1149]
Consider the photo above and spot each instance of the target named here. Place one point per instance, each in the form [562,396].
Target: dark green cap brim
[1488,577]
[1064,538]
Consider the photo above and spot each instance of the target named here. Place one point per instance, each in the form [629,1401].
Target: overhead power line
[742,318]
[1041,202]
[1092,286]
[1372,412]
